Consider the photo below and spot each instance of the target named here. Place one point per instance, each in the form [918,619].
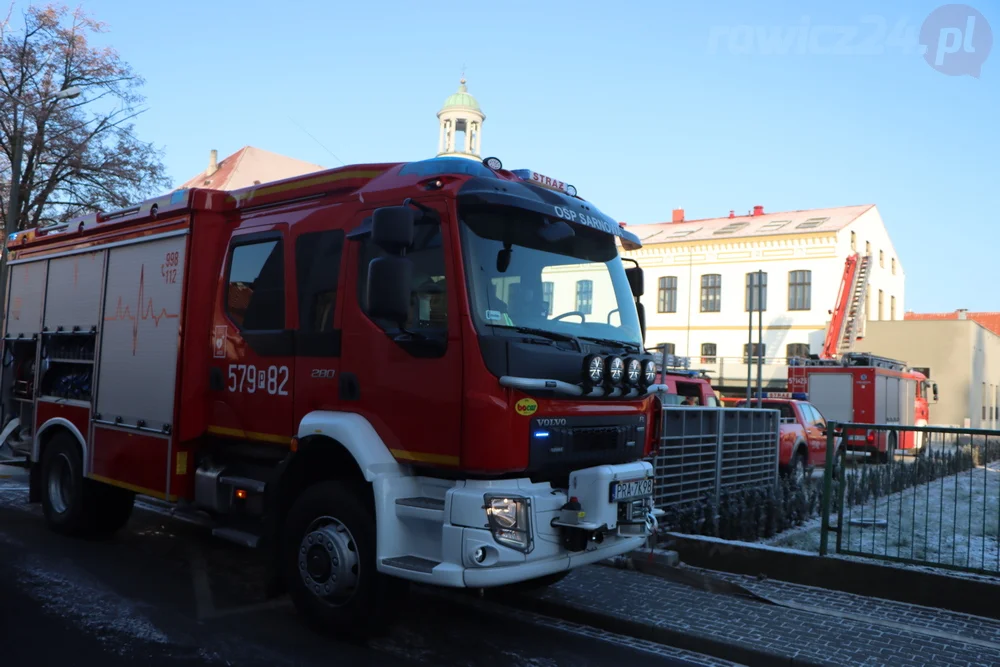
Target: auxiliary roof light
[493,163]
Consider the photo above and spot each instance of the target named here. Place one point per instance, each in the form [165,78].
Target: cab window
[428,284]
[255,299]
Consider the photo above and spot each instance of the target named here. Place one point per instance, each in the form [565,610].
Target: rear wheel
[67,501]
[328,555]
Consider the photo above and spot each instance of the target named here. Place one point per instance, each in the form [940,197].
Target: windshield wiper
[608,341]
[551,335]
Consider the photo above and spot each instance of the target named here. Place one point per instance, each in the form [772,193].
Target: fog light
[480,555]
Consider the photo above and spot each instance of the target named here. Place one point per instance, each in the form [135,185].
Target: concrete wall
[964,361]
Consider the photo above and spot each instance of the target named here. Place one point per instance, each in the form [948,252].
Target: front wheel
[329,560]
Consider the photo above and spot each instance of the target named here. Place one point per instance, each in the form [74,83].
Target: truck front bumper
[506,531]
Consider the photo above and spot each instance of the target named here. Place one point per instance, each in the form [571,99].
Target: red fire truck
[358,370]
[864,388]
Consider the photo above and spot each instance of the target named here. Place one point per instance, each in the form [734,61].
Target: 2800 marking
[250,379]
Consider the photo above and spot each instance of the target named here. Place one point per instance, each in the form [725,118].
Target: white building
[697,273]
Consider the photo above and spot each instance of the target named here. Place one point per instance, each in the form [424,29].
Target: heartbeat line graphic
[143,312]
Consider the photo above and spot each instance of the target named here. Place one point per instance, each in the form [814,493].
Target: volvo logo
[552,422]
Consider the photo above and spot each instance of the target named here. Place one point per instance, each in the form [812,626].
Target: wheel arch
[50,430]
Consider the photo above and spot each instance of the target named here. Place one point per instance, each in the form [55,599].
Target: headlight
[509,523]
[633,372]
[593,369]
[649,372]
[616,369]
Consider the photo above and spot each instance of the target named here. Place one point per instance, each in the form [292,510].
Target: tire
[67,499]
[890,449]
[799,468]
[345,592]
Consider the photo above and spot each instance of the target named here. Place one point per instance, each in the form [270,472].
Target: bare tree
[79,155]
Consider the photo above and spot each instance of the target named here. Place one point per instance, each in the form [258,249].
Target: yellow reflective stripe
[317,180]
[250,435]
[132,487]
[443,459]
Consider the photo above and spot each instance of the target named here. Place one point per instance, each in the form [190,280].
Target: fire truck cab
[863,388]
[379,373]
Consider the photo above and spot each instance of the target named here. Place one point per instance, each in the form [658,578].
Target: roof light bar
[545,181]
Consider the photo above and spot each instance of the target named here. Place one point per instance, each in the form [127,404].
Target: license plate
[631,489]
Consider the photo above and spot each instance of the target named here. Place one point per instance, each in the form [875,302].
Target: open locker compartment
[20,358]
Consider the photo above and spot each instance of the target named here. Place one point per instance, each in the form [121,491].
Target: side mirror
[392,228]
[636,280]
[389,289]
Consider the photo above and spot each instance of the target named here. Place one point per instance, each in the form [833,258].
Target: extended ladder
[854,324]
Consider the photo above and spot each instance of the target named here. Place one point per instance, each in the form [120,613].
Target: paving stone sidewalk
[851,630]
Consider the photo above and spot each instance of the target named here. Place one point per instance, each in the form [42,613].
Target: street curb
[694,642]
[870,579]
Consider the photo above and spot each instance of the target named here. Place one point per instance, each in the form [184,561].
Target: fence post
[719,441]
[824,535]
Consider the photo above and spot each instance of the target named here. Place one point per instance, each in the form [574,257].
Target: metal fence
[705,450]
[937,505]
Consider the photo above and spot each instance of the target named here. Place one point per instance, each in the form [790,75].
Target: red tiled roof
[989,320]
[248,166]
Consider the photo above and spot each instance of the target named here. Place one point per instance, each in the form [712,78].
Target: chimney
[732,213]
[962,313]
[678,215]
[213,162]
[758,210]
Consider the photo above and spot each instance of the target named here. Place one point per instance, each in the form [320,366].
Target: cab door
[407,384]
[253,342]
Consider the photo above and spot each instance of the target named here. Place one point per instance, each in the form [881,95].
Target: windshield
[517,278]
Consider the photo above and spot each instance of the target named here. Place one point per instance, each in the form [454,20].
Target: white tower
[461,122]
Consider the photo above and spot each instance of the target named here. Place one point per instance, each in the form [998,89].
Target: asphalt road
[164,592]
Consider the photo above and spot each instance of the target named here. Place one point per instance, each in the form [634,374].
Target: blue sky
[644,106]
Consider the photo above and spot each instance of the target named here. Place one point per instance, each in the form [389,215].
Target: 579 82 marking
[250,379]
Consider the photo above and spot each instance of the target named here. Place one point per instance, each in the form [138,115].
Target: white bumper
[462,551]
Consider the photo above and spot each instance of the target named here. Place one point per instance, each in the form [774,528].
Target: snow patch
[90,606]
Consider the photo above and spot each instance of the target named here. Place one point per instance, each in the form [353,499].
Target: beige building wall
[964,361]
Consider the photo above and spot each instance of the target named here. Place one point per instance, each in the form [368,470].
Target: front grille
[573,442]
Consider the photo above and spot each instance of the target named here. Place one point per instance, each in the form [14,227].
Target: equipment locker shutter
[833,395]
[139,342]
[27,292]
[74,291]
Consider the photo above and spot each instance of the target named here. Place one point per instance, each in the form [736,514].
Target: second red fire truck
[864,388]
[380,373]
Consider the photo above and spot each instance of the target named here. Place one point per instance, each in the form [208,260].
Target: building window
[881,259]
[854,241]
[892,307]
[548,289]
[667,350]
[984,400]
[584,296]
[797,351]
[892,263]
[868,247]
[752,293]
[708,351]
[881,305]
[667,297]
[751,353]
[799,290]
[868,304]
[711,293]
[256,294]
